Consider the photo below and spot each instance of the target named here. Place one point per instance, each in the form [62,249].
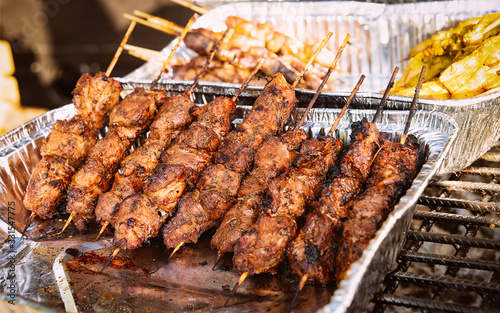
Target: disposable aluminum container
[60,273]
[381,37]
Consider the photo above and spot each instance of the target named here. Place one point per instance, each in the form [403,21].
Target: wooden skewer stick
[413,106]
[167,61]
[176,249]
[159,21]
[104,226]
[303,280]
[141,53]
[386,93]
[28,223]
[311,60]
[238,284]
[337,121]
[162,28]
[111,258]
[66,224]
[323,82]
[120,48]
[191,6]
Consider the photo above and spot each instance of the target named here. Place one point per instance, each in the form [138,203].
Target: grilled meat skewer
[128,120]
[393,170]
[204,207]
[69,142]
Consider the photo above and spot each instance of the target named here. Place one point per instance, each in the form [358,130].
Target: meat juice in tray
[147,279]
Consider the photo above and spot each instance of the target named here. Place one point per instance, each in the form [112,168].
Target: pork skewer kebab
[69,142]
[141,215]
[204,206]
[393,169]
[128,119]
[262,248]
[171,119]
[311,254]
[272,158]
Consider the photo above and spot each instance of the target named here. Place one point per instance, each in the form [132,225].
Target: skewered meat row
[140,216]
[127,121]
[312,252]
[172,117]
[262,248]
[393,170]
[69,142]
[205,205]
[273,157]
[242,53]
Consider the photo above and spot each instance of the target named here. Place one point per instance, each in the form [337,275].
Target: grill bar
[435,259]
[467,186]
[430,305]
[460,203]
[482,171]
[457,218]
[455,240]
[447,282]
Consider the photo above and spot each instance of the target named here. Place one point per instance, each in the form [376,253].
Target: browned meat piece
[189,154]
[219,183]
[47,186]
[172,117]
[290,192]
[274,156]
[139,221]
[260,249]
[127,120]
[94,97]
[70,140]
[69,143]
[393,170]
[312,252]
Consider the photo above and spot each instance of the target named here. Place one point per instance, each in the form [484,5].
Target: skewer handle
[120,48]
[337,121]
[386,93]
[413,105]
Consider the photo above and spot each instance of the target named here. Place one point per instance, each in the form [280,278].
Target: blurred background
[54,41]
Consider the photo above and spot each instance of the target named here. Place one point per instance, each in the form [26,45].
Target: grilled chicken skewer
[312,253]
[272,158]
[204,206]
[263,247]
[140,216]
[173,117]
[69,142]
[131,117]
[393,169]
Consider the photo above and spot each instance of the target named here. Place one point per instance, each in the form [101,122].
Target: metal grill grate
[450,261]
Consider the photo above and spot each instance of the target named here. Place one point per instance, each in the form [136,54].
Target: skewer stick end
[111,258]
[70,218]
[238,284]
[104,226]
[219,257]
[176,249]
[303,281]
[28,223]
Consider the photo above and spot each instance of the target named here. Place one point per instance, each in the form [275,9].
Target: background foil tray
[381,37]
[49,272]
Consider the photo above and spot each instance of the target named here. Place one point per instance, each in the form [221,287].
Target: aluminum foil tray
[381,37]
[59,273]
